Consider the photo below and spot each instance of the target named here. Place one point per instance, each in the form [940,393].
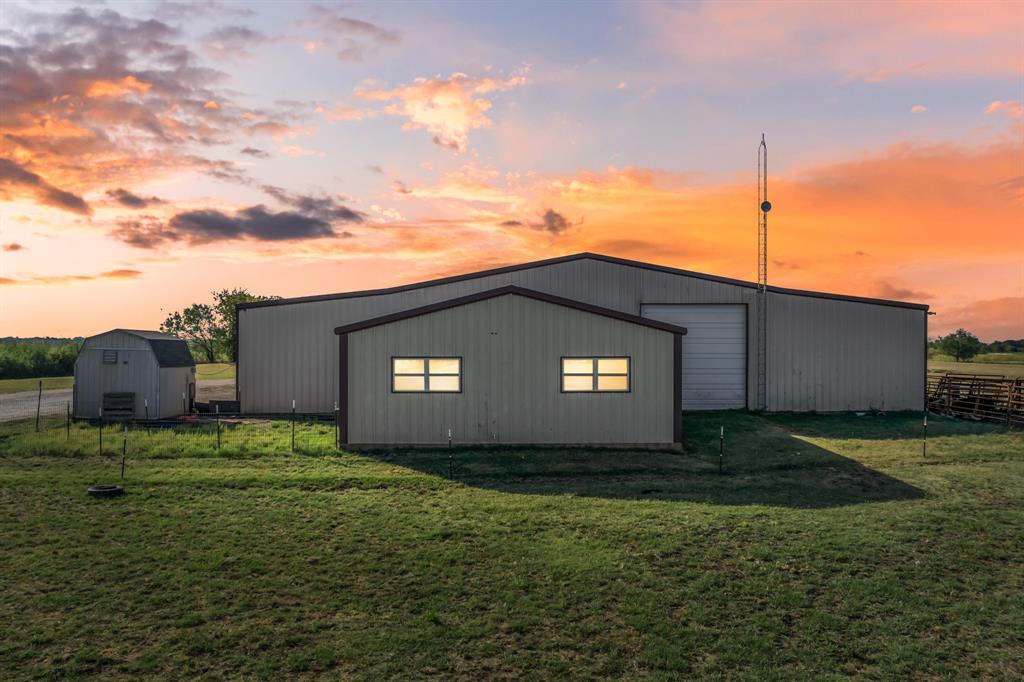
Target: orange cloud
[903,223]
[107,110]
[118,88]
[448,108]
[68,279]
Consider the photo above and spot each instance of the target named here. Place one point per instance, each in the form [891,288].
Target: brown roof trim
[574,257]
[506,291]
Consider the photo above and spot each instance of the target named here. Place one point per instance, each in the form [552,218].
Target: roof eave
[574,257]
[508,290]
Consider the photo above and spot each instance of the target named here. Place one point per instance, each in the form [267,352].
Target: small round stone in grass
[103,490]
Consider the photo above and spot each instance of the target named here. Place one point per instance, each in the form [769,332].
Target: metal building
[511,366]
[130,373]
[825,352]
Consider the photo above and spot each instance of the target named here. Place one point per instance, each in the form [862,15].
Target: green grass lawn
[830,547]
[204,372]
[1006,364]
[17,385]
[1002,369]
[215,370]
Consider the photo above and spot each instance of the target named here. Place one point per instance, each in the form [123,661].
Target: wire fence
[52,430]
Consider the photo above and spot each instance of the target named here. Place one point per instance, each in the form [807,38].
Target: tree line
[962,345]
[211,328]
[38,357]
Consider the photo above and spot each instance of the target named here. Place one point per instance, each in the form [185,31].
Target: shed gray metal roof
[507,291]
[170,351]
[575,257]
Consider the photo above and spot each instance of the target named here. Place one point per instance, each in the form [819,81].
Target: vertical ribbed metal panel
[174,382]
[290,350]
[822,353]
[828,355]
[511,349]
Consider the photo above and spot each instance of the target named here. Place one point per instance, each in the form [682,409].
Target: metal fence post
[218,426]
[293,424]
[184,409]
[337,434]
[924,442]
[39,403]
[124,448]
[721,448]
[101,432]
[145,401]
[67,424]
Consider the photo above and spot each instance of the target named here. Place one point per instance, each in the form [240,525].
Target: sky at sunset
[153,152]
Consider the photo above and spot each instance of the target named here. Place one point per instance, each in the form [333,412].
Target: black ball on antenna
[766,206]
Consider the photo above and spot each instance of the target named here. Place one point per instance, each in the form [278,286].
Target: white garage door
[714,353]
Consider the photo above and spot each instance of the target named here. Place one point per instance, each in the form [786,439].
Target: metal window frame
[426,373]
[595,373]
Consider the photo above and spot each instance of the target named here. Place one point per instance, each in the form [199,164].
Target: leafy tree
[198,325]
[224,305]
[211,330]
[960,344]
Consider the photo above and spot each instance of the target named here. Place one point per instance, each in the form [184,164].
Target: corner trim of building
[677,389]
[342,389]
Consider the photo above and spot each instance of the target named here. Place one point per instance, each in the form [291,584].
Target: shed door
[714,353]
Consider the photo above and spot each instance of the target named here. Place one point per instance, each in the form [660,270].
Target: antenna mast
[763,206]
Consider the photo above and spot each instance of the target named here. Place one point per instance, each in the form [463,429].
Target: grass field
[985,358]
[1002,369]
[1005,364]
[205,372]
[215,370]
[831,546]
[17,385]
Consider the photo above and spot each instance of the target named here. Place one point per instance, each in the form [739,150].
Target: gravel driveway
[22,405]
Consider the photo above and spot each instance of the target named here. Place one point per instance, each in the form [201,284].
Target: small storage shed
[131,373]
[510,366]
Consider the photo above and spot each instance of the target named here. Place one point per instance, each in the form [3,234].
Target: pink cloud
[991,319]
[1011,108]
[870,42]
[447,108]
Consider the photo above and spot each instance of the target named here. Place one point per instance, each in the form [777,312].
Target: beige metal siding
[289,351]
[174,382]
[135,371]
[511,349]
[829,355]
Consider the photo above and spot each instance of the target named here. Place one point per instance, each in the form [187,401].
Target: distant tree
[37,357]
[198,325]
[961,344]
[224,305]
[1008,346]
[211,330]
